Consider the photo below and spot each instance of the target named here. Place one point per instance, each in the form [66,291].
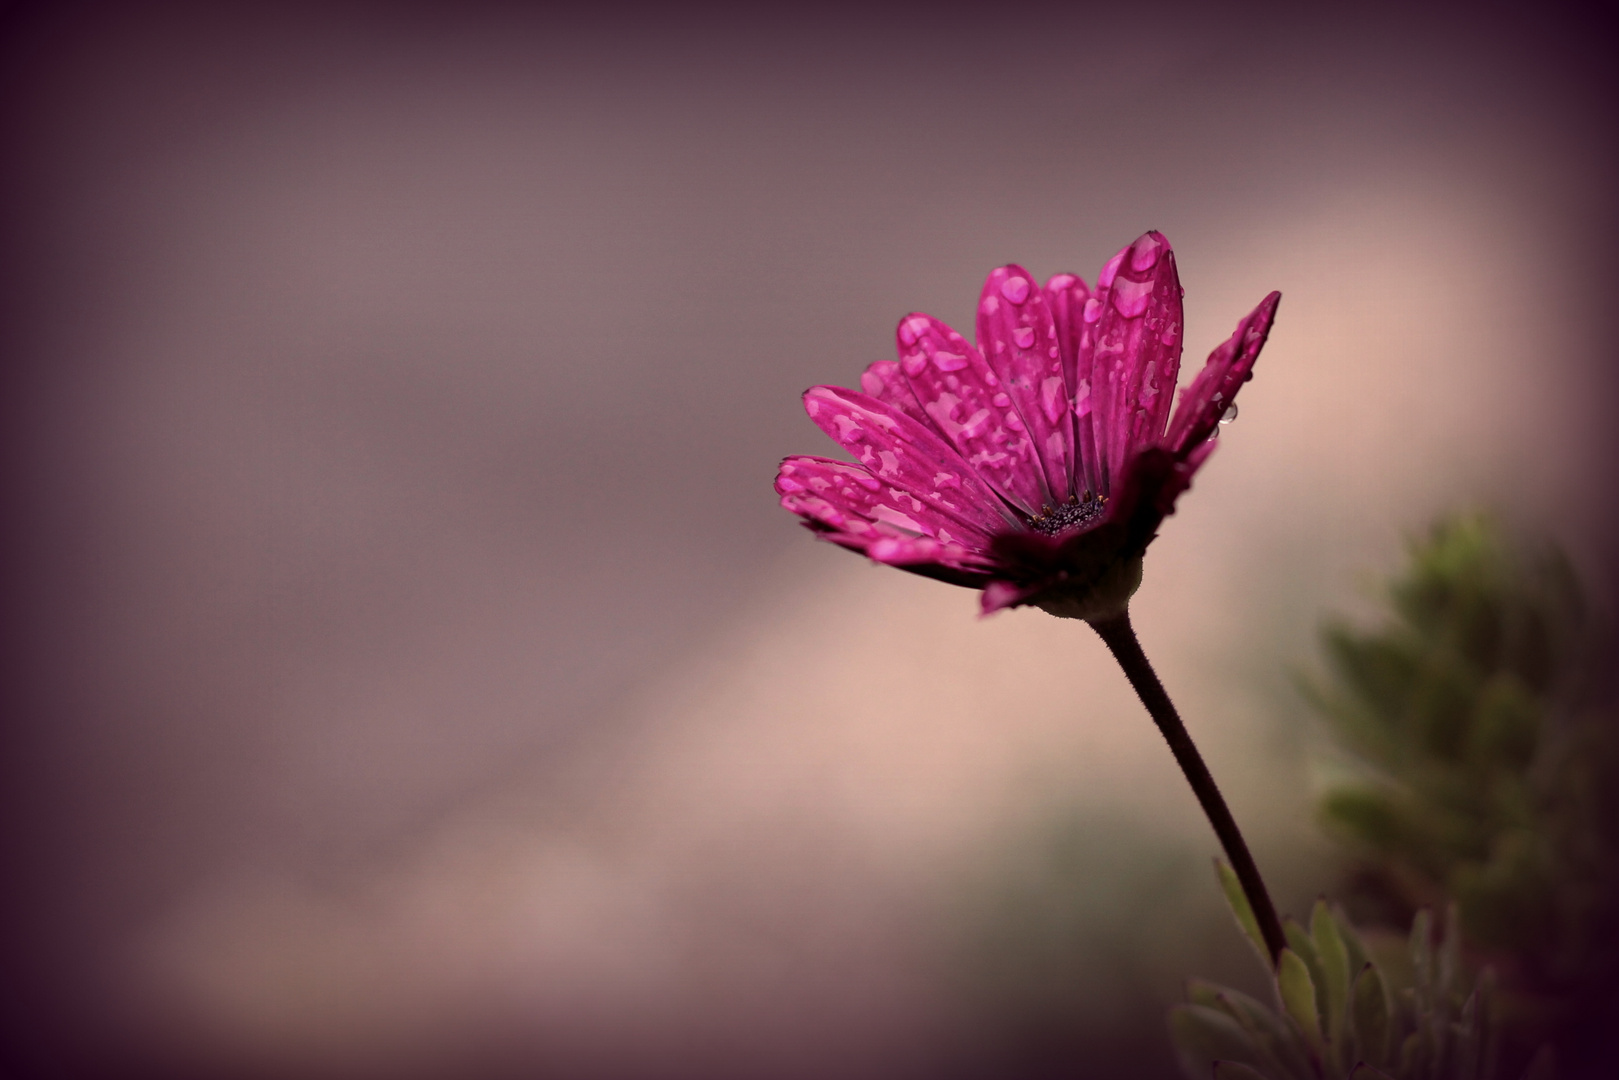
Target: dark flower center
[1076,513]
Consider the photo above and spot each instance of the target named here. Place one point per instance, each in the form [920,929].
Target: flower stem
[1121,641]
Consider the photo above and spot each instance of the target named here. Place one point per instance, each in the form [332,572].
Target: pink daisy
[1037,466]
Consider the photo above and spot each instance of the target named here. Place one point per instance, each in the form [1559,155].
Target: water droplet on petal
[1001,401]
[1059,282]
[1093,310]
[1015,289]
[1144,253]
[1023,337]
[1230,414]
[1131,297]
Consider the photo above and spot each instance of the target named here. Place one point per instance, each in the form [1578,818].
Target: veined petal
[884,381]
[1069,300]
[835,493]
[1215,388]
[1018,338]
[1138,349]
[966,401]
[900,451]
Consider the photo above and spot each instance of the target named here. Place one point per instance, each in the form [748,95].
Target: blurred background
[408,669]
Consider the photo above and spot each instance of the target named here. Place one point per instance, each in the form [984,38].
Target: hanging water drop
[1230,414]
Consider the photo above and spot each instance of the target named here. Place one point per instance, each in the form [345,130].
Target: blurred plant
[1488,756]
[1344,1014]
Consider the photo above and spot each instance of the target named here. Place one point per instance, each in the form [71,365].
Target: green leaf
[1297,991]
[1469,1049]
[1238,902]
[1411,1058]
[1352,943]
[1286,1055]
[1372,1015]
[1299,940]
[1202,992]
[1422,972]
[1203,1036]
[1333,958]
[1236,1070]
[1450,945]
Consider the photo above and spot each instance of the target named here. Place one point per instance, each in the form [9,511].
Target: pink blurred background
[409,670]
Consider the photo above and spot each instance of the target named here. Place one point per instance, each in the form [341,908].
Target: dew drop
[1001,401]
[1093,310]
[1131,297]
[1015,289]
[1144,253]
[1023,337]
[1060,282]
[1230,414]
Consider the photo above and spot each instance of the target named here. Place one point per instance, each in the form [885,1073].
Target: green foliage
[1343,1015]
[1488,763]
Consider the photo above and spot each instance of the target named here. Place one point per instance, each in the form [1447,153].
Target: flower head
[1038,465]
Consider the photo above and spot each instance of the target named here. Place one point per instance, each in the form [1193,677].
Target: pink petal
[844,496]
[1067,297]
[1000,595]
[1138,349]
[967,402]
[1018,338]
[900,451]
[911,550]
[884,381]
[1215,388]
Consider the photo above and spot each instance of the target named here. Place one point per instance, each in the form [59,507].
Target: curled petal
[1215,388]
[1137,351]
[966,401]
[898,450]
[1018,337]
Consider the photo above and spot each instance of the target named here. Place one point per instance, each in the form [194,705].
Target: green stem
[1121,641]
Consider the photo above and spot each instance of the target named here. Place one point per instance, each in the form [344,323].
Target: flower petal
[1138,349]
[1215,388]
[842,495]
[1069,300]
[884,381]
[966,401]
[1000,595]
[1018,338]
[900,451]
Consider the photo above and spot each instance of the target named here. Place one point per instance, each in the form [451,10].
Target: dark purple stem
[1121,640]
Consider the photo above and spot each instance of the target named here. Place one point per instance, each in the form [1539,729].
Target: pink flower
[1037,466]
